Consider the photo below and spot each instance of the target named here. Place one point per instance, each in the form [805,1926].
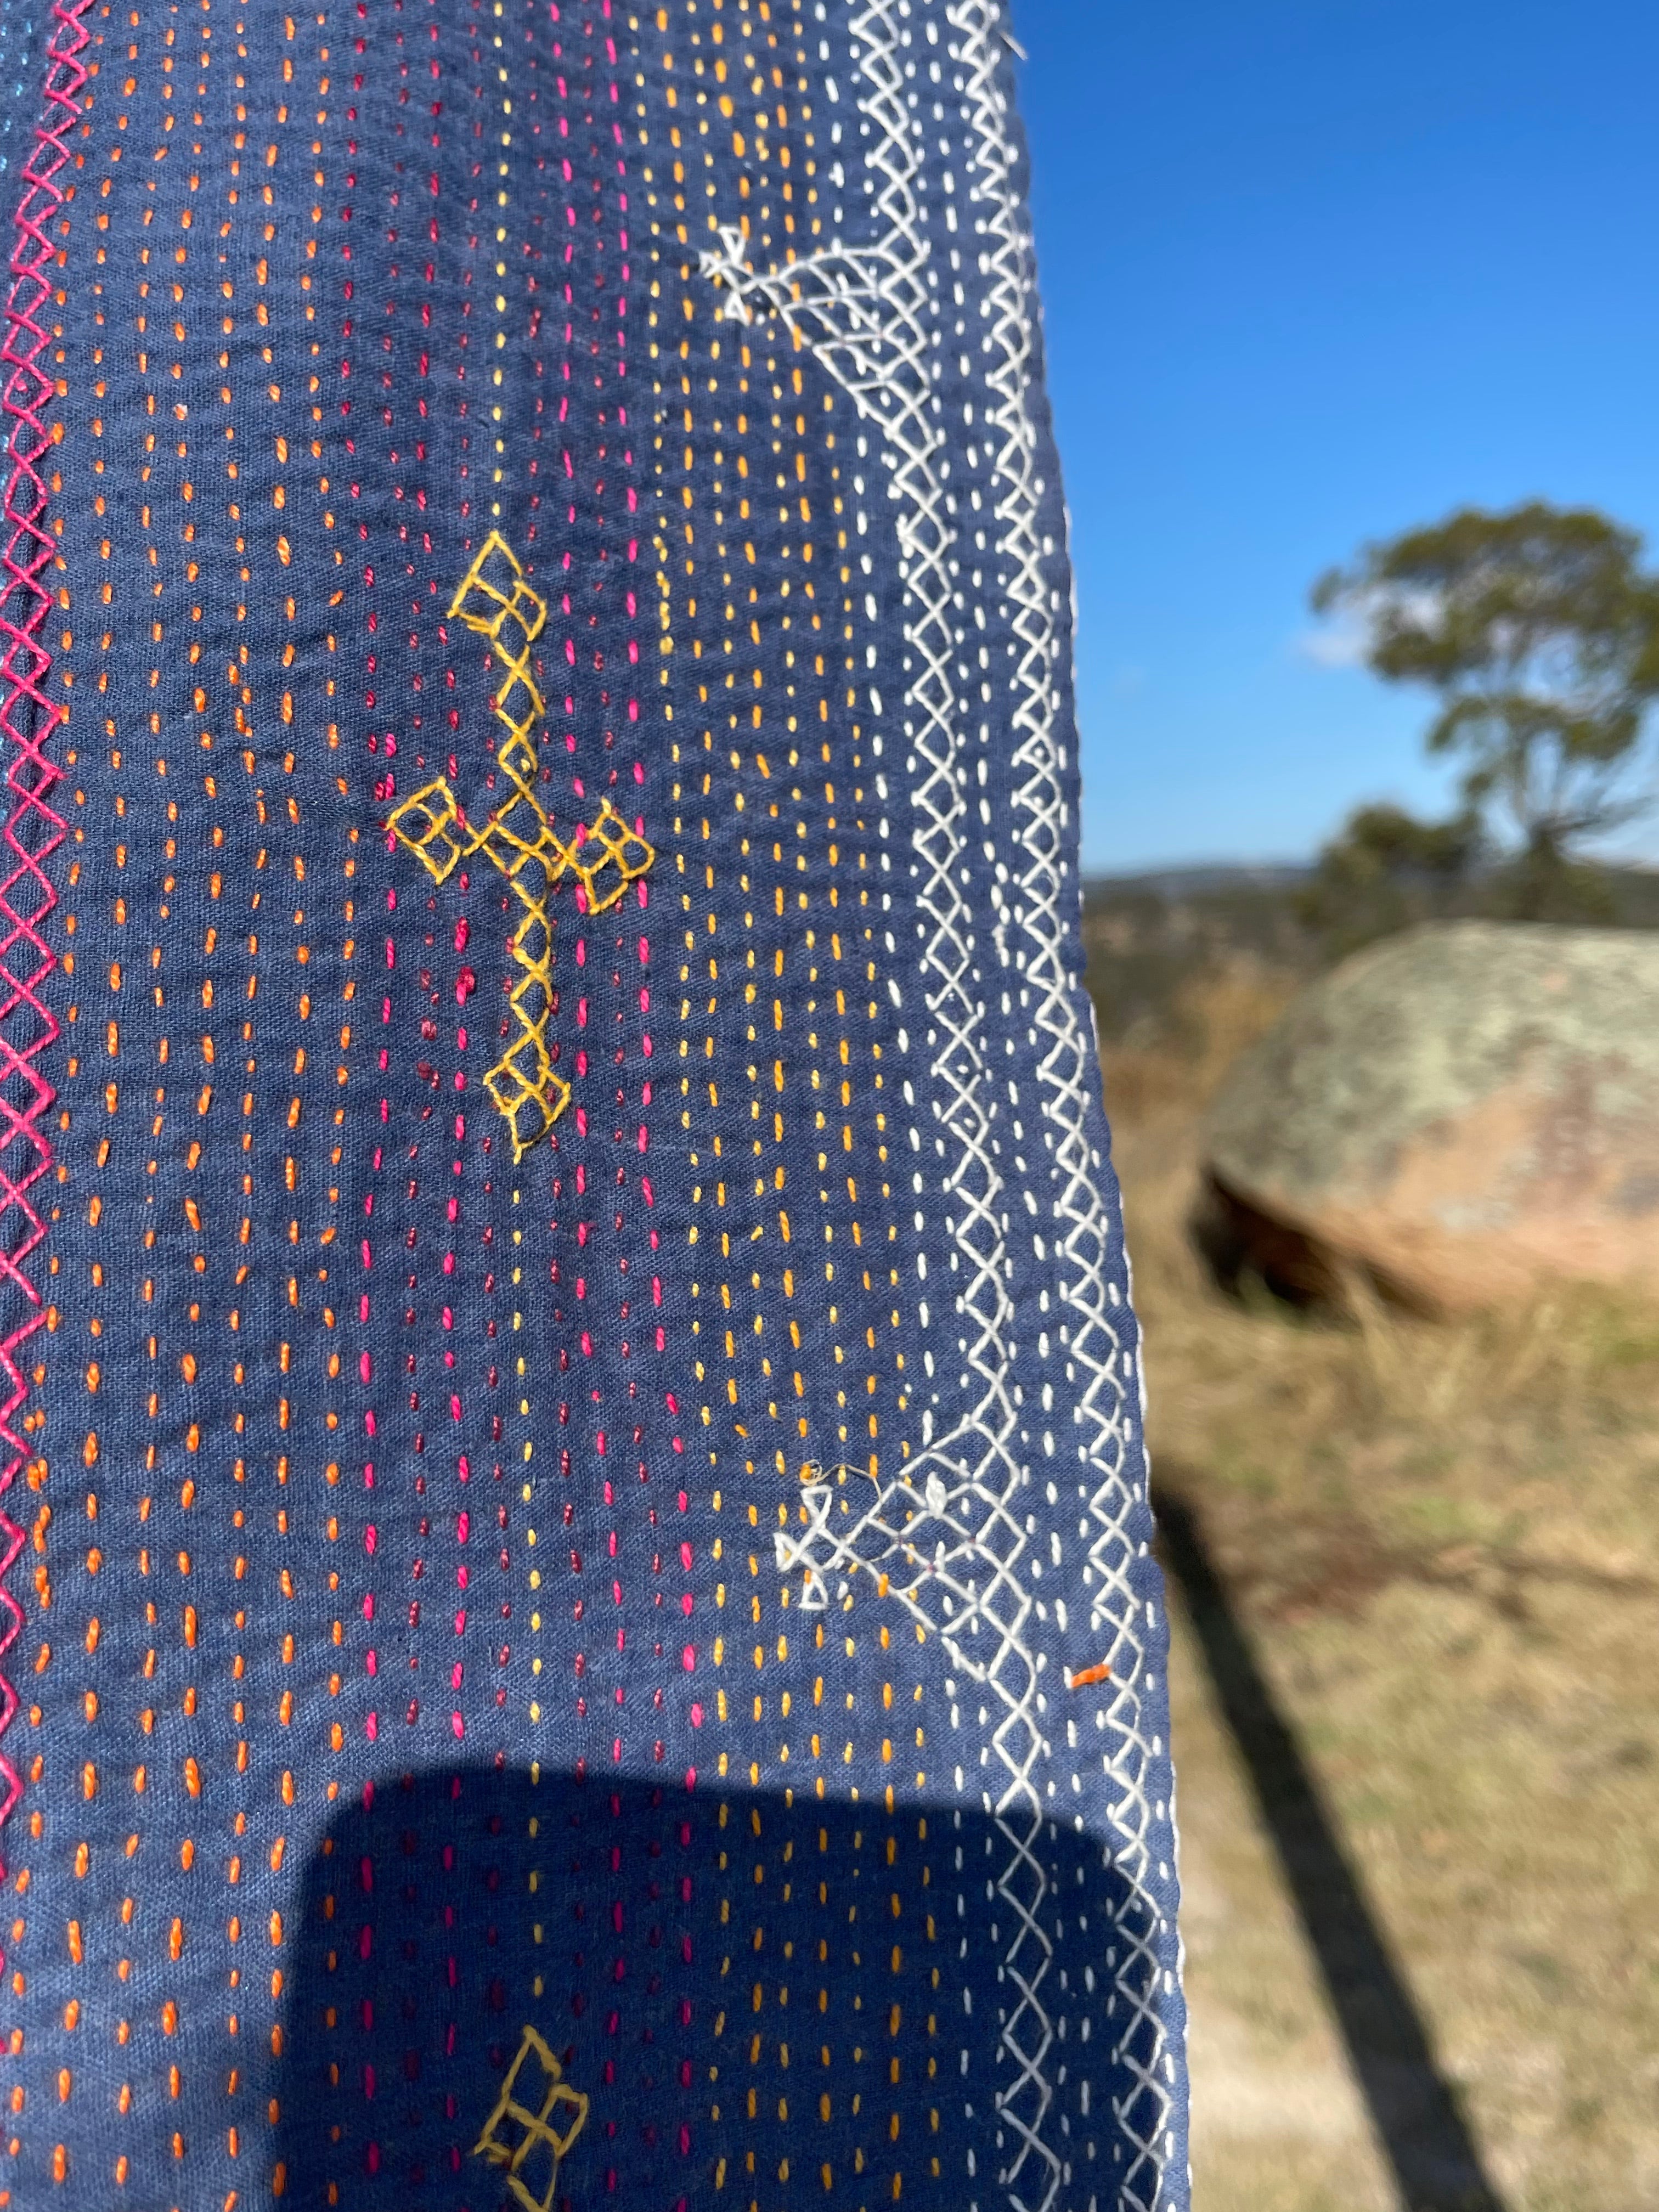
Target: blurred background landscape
[1318,277]
[1428,1552]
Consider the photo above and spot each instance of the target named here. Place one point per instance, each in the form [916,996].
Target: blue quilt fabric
[579,1624]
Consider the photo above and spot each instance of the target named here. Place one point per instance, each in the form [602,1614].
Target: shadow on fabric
[738,1999]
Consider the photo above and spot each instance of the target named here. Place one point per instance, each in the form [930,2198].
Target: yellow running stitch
[535,2128]
[519,839]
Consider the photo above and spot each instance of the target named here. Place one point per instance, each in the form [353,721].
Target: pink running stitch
[33,830]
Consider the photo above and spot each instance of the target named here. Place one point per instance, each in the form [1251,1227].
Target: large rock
[1463,1112]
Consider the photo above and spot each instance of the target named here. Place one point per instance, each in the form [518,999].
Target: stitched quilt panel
[578,1620]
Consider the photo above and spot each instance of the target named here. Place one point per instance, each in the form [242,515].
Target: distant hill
[1201,878]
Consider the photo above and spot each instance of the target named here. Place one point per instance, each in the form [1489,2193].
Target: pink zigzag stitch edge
[33,830]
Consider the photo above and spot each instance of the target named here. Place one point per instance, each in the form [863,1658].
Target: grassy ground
[1444,1542]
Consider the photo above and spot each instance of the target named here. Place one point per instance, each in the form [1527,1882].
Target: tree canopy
[1539,628]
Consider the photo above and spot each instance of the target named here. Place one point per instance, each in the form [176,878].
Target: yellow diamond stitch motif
[536,2120]
[608,857]
[495,591]
[496,599]
[426,823]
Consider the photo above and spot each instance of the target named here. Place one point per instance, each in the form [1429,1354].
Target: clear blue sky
[1313,270]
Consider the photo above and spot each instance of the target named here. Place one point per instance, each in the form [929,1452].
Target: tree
[1383,843]
[1539,629]
[1385,870]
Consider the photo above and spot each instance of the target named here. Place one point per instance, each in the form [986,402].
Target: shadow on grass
[1414,2110]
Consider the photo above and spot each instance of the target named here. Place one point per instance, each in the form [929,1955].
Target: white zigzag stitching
[943,1538]
[1069,1067]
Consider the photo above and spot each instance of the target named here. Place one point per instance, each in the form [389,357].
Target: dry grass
[1444,1541]
[1179,1062]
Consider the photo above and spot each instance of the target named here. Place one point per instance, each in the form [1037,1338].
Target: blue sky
[1314,271]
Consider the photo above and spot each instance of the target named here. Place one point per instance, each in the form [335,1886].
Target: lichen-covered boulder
[1463,1113]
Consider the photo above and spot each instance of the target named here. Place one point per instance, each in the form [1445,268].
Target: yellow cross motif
[524,2135]
[604,856]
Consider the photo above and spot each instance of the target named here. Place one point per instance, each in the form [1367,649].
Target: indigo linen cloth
[579,1628]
